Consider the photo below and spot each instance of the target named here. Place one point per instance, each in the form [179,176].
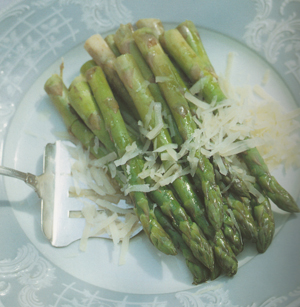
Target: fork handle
[28,178]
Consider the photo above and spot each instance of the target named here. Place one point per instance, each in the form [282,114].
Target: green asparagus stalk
[128,118]
[193,204]
[230,228]
[105,58]
[132,125]
[224,255]
[110,40]
[58,93]
[153,23]
[162,67]
[172,90]
[244,218]
[254,216]
[193,66]
[191,233]
[258,168]
[79,92]
[157,29]
[258,206]
[126,44]
[264,218]
[242,214]
[117,129]
[216,272]
[133,80]
[265,229]
[190,33]
[232,231]
[86,66]
[232,179]
[200,272]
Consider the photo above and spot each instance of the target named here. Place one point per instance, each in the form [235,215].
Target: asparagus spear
[243,217]
[258,168]
[223,251]
[190,33]
[224,254]
[191,233]
[216,272]
[86,66]
[240,211]
[199,271]
[157,29]
[254,216]
[232,179]
[230,228]
[110,40]
[58,93]
[258,208]
[128,118]
[232,231]
[152,23]
[132,79]
[126,44]
[172,90]
[79,92]
[263,215]
[224,257]
[132,125]
[193,66]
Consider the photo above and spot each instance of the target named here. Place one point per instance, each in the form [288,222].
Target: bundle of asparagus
[132,99]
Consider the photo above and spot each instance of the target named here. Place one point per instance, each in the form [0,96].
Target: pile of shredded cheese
[103,210]
[276,132]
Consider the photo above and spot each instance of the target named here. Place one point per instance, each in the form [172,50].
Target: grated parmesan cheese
[131,152]
[161,79]
[102,210]
[196,101]
[217,158]
[145,188]
[250,117]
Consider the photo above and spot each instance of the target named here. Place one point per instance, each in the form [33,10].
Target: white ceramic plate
[34,36]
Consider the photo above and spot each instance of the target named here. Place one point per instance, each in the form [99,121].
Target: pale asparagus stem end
[152,23]
[99,50]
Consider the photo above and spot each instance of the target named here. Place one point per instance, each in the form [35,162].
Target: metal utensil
[53,188]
